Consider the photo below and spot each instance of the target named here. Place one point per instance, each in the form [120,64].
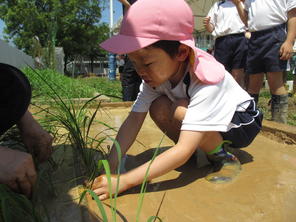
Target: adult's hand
[17,170]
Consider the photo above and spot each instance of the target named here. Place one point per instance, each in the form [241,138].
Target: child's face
[154,65]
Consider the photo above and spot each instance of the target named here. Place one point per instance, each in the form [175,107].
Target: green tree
[72,24]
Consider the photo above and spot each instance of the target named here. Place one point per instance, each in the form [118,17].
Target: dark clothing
[263,54]
[248,125]
[130,81]
[15,91]
[120,69]
[231,51]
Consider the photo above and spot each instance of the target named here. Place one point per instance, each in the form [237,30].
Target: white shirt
[211,107]
[225,19]
[265,14]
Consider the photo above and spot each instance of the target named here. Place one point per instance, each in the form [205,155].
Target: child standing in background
[230,41]
[189,95]
[273,27]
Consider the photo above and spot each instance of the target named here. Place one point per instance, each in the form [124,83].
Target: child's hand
[286,51]
[101,187]
[208,26]
[206,21]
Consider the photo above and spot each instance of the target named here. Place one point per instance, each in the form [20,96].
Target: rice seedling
[113,198]
[71,122]
[75,121]
[16,207]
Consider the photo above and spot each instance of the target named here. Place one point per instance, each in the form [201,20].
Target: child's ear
[183,52]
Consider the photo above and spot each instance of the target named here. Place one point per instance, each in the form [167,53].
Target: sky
[105,15]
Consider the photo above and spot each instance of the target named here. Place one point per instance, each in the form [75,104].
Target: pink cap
[149,21]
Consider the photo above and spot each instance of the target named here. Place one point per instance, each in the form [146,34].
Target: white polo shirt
[265,14]
[225,19]
[211,107]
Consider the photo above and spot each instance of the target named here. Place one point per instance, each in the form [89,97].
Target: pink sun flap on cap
[204,66]
[207,68]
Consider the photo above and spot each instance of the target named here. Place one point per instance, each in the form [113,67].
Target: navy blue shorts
[263,54]
[231,51]
[246,126]
[15,91]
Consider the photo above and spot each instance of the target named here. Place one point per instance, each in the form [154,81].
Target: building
[200,10]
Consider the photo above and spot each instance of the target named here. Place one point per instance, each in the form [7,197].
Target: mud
[264,191]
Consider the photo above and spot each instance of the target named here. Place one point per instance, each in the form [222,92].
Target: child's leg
[279,97]
[255,83]
[239,76]
[225,165]
[168,116]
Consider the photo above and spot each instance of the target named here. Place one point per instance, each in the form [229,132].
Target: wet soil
[264,191]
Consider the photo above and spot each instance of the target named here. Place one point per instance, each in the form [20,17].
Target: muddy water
[265,190]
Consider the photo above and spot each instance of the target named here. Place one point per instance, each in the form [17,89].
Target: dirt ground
[265,190]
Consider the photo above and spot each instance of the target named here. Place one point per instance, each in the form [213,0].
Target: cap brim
[123,44]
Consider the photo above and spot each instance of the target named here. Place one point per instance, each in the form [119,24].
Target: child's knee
[179,109]
[160,108]
[163,108]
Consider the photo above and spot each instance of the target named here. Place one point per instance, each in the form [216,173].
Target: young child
[231,46]
[189,95]
[270,46]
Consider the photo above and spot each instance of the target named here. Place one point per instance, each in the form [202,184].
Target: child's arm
[126,136]
[125,3]
[241,11]
[208,25]
[286,50]
[163,163]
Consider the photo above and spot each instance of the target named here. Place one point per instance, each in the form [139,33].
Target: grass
[71,88]
[75,122]
[104,86]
